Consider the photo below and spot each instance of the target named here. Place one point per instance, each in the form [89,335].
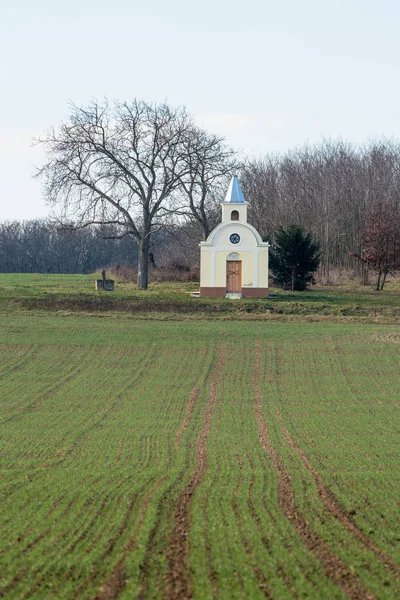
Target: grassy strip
[207,307]
[239,541]
[179,581]
[337,570]
[106,500]
[302,382]
[101,418]
[75,294]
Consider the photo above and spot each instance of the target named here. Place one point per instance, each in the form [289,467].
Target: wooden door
[234,276]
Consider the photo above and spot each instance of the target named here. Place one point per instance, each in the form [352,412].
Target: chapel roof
[234,195]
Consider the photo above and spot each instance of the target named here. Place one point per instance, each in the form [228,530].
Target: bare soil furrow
[333,566]
[4,591]
[66,552]
[24,549]
[115,583]
[178,579]
[193,399]
[74,370]
[25,354]
[151,545]
[65,532]
[261,579]
[207,542]
[263,539]
[333,505]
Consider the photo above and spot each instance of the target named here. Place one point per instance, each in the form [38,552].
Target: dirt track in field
[333,566]
[115,583]
[333,505]
[178,578]
[193,399]
[262,581]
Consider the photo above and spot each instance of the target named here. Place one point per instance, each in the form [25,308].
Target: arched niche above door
[233,256]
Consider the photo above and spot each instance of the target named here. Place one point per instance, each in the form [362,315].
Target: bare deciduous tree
[327,189]
[380,246]
[118,165]
[210,164]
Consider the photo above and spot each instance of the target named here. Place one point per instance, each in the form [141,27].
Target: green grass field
[197,457]
[68,294]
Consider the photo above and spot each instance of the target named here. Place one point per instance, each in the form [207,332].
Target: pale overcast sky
[267,74]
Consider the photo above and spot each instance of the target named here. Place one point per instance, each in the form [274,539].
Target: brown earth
[193,399]
[333,505]
[333,566]
[115,583]
[265,542]
[261,579]
[179,585]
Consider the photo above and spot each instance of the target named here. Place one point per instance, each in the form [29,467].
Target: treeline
[328,189]
[40,247]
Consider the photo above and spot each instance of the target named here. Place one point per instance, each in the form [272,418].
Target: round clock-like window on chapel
[235,238]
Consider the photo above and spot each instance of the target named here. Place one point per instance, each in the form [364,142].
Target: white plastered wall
[228,207]
[252,253]
[206,267]
[263,268]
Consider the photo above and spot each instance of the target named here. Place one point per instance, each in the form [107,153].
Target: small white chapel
[234,259]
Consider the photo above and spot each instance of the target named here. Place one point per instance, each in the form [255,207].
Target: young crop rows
[234,466]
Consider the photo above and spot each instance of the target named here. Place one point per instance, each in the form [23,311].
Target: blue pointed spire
[234,195]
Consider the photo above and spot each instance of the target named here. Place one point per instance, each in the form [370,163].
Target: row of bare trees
[40,246]
[37,246]
[331,189]
[138,167]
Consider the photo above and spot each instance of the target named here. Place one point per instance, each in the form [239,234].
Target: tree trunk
[379,281]
[383,280]
[206,230]
[364,274]
[143,263]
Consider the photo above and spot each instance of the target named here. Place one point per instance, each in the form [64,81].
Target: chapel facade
[234,259]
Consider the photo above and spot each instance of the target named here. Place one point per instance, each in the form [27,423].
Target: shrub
[294,258]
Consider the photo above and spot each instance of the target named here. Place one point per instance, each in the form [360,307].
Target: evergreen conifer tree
[294,258]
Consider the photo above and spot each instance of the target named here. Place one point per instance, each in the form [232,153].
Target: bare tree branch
[120,165]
